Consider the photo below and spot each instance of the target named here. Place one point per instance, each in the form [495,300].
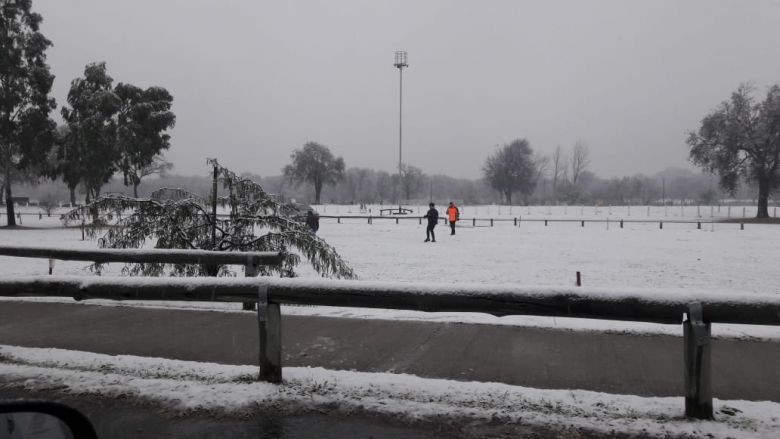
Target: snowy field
[718,258]
[185,386]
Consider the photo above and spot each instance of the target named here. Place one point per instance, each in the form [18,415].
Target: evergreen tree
[142,118]
[26,131]
[90,145]
[177,219]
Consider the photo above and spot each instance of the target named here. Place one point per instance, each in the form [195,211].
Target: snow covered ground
[189,386]
[718,258]
[721,258]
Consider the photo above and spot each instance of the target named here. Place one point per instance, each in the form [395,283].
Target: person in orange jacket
[453,214]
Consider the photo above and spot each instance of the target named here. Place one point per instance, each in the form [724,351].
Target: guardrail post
[621,224]
[698,225]
[660,224]
[251,269]
[269,323]
[474,221]
[583,223]
[545,223]
[338,220]
[698,364]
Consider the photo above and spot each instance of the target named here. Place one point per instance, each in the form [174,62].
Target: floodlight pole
[400,63]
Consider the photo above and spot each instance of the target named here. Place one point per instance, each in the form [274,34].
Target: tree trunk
[72,196]
[763,198]
[508,195]
[317,191]
[9,202]
[135,190]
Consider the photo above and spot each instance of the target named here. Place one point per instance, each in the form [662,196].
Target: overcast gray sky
[253,80]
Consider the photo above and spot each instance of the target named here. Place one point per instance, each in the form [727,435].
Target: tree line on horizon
[121,129]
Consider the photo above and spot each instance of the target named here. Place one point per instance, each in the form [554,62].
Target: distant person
[433,218]
[313,221]
[453,215]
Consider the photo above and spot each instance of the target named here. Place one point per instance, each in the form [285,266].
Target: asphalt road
[542,358]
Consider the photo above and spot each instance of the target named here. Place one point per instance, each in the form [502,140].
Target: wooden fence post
[338,220]
[474,221]
[660,224]
[491,222]
[583,223]
[698,225]
[621,224]
[396,220]
[545,223]
[698,364]
[269,323]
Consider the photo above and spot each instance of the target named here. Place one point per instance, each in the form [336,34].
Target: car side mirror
[43,420]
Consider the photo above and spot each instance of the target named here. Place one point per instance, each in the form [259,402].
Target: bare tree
[158,166]
[559,163]
[542,164]
[580,159]
[412,179]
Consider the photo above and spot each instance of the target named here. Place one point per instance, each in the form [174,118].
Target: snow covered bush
[178,219]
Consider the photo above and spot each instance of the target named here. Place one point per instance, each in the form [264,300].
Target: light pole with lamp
[400,63]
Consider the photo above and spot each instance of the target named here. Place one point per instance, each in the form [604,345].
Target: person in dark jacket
[313,221]
[433,219]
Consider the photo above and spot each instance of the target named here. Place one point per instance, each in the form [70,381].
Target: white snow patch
[184,385]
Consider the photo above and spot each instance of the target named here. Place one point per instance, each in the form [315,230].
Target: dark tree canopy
[26,131]
[111,129]
[741,140]
[141,121]
[512,169]
[316,165]
[90,148]
[177,219]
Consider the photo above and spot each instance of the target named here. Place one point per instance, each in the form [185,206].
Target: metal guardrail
[695,312]
[146,256]
[250,260]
